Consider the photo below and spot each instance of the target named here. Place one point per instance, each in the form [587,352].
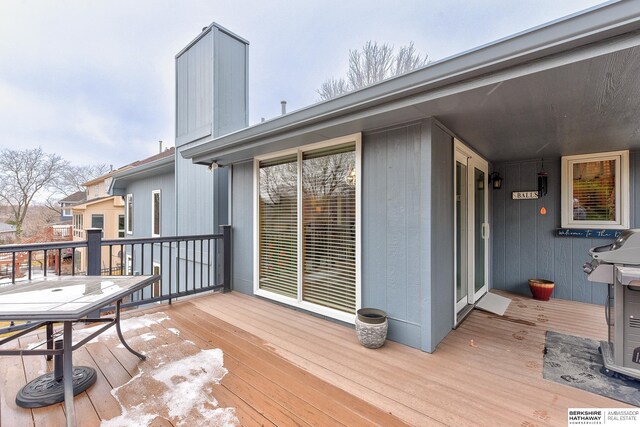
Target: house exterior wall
[211,100]
[524,243]
[243,201]
[142,199]
[110,208]
[407,196]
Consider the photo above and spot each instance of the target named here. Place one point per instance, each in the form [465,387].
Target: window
[66,212]
[155,213]
[97,221]
[129,213]
[129,265]
[78,220]
[307,227]
[121,229]
[595,190]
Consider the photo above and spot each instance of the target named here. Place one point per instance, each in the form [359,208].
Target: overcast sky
[93,80]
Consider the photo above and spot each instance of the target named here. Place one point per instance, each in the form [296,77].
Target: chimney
[284,107]
[160,146]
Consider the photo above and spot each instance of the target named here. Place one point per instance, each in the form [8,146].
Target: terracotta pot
[541,289]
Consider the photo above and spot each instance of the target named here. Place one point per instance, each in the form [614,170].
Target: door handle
[485,230]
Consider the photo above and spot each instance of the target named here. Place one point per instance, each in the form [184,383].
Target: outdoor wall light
[496,180]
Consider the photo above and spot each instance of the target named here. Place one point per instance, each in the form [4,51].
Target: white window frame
[622,190]
[153,193]
[298,302]
[128,221]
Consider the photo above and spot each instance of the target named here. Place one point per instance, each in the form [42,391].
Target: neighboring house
[148,191]
[388,197]
[7,232]
[69,202]
[100,210]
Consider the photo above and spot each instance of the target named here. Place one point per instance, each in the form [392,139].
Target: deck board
[290,368]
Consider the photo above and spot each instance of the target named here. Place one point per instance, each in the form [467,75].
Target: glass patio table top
[66,297]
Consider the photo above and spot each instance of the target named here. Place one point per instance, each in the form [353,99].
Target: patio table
[64,299]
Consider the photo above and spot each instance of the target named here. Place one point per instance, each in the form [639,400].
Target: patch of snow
[126,325]
[148,336]
[176,383]
[186,379]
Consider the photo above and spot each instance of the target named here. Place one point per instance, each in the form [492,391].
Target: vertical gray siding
[230,87]
[194,91]
[141,190]
[524,243]
[391,194]
[442,242]
[242,221]
[194,197]
[406,197]
[211,88]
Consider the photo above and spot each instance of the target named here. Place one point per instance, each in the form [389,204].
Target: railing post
[94,258]
[226,258]
[94,251]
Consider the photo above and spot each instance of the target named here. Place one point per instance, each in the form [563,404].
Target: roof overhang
[122,180]
[470,83]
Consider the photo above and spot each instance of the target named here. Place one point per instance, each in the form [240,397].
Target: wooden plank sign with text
[524,195]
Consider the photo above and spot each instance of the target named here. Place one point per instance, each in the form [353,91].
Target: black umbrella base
[46,390]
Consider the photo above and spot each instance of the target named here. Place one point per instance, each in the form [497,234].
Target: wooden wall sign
[589,233]
[524,195]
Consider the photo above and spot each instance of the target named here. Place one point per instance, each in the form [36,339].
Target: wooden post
[226,261]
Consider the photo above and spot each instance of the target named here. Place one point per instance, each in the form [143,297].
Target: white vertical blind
[329,227]
[278,188]
[594,190]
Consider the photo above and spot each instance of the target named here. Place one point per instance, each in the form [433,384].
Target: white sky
[93,80]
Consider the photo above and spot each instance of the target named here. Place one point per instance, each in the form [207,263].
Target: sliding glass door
[471,228]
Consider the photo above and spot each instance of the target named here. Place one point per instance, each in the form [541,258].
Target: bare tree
[71,180]
[374,63]
[25,174]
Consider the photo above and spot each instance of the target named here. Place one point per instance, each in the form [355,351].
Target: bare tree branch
[25,174]
[374,63]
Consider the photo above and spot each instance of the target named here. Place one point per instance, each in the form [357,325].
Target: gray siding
[230,87]
[211,88]
[194,197]
[405,198]
[392,195]
[242,218]
[194,91]
[141,190]
[524,243]
[442,242]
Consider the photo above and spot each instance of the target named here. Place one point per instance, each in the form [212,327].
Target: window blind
[594,191]
[329,227]
[278,226]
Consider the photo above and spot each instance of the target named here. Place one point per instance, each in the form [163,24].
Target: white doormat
[493,303]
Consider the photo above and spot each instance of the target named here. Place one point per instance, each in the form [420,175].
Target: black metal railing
[187,265]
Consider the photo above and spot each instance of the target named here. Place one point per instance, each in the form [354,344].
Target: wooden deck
[289,368]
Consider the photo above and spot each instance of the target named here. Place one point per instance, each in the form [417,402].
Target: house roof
[91,202]
[152,166]
[77,197]
[552,89]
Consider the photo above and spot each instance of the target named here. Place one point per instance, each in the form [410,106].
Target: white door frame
[473,161]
